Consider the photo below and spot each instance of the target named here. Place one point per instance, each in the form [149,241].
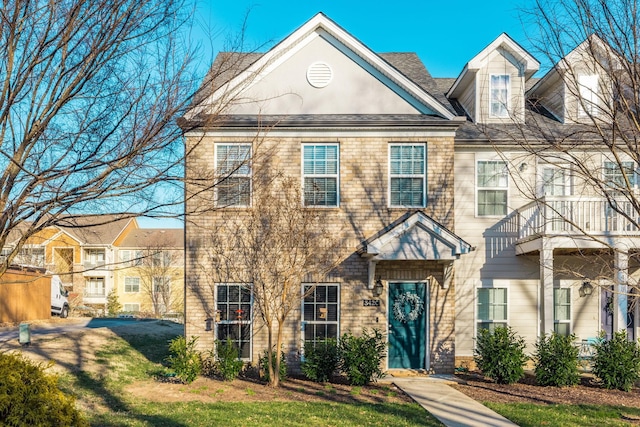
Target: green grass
[123,361]
[527,414]
[269,414]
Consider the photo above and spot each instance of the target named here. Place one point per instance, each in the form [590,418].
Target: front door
[407,325]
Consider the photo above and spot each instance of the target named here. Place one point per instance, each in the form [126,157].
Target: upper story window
[131,256]
[131,284]
[233,168]
[499,85]
[556,180]
[320,172]
[407,175]
[492,188]
[31,255]
[94,257]
[615,173]
[588,88]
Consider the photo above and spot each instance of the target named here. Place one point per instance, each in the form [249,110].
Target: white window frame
[131,285]
[221,321]
[131,305]
[477,320]
[631,167]
[166,281]
[588,95]
[422,175]
[557,321]
[490,188]
[335,175]
[223,175]
[27,255]
[568,179]
[92,255]
[504,107]
[305,323]
[93,280]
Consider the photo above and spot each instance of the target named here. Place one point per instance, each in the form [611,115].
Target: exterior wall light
[586,289]
[378,287]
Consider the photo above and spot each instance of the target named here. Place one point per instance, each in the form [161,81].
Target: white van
[59,301]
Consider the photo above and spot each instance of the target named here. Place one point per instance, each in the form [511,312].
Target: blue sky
[444,34]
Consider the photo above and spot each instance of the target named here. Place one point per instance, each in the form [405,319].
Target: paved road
[69,325]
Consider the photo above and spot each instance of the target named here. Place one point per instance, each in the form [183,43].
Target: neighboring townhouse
[453,217]
[548,244]
[150,272]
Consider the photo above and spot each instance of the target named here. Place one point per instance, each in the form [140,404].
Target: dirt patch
[209,390]
[588,392]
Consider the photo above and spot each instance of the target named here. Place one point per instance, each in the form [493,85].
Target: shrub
[228,363]
[184,359]
[556,360]
[30,397]
[264,366]
[320,359]
[360,356]
[113,304]
[617,362]
[500,355]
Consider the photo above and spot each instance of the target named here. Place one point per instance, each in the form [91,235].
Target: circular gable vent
[319,74]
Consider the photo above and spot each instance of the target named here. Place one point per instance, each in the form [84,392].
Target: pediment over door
[415,237]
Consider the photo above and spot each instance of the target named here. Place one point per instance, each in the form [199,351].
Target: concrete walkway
[448,405]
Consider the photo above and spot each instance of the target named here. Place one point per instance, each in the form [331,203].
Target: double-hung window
[556,180]
[492,308]
[233,169]
[233,302]
[562,311]
[161,285]
[492,187]
[614,176]
[407,175]
[320,171]
[131,284]
[320,311]
[499,92]
[588,90]
[130,307]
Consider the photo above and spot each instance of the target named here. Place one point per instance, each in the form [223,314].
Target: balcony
[581,221]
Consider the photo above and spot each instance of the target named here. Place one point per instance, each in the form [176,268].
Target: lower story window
[94,287]
[320,311]
[130,308]
[492,308]
[233,303]
[562,311]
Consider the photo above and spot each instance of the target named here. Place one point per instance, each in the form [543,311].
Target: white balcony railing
[574,215]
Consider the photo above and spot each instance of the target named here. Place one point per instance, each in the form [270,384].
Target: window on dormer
[499,89]
[588,102]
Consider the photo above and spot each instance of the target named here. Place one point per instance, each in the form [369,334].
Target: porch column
[546,289]
[621,266]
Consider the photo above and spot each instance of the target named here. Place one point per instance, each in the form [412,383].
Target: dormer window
[499,85]
[588,102]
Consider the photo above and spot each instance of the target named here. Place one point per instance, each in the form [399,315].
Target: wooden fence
[25,294]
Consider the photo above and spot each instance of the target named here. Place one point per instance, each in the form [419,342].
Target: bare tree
[581,138]
[89,96]
[160,268]
[270,250]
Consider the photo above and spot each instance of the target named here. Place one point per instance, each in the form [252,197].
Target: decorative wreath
[416,305]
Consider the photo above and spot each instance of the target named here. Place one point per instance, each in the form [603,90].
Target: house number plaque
[371,303]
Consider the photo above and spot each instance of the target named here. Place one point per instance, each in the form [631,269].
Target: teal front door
[407,326]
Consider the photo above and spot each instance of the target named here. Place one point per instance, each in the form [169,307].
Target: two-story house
[459,206]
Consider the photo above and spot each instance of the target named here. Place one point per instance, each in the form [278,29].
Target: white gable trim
[529,64]
[322,26]
[419,221]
